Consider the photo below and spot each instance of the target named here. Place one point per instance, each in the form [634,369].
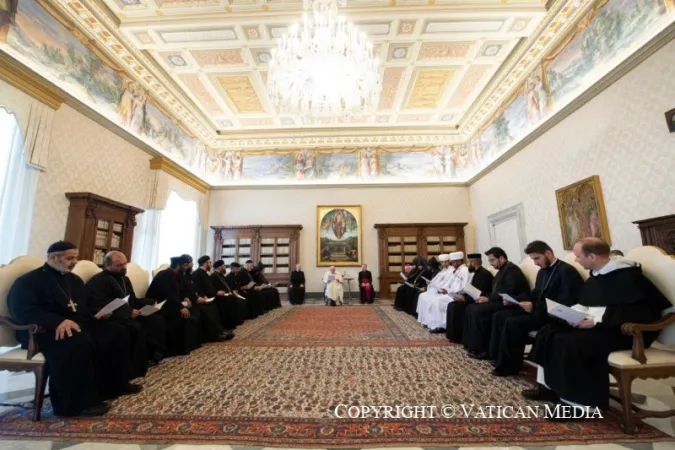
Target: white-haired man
[334,290]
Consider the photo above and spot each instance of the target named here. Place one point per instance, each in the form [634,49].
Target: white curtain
[146,240]
[18,186]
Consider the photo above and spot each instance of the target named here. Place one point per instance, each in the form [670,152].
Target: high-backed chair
[18,359]
[639,362]
[140,279]
[86,269]
[159,269]
[530,270]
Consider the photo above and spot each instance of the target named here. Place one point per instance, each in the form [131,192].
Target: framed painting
[582,212]
[338,236]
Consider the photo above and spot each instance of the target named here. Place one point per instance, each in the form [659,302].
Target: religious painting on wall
[582,211]
[338,237]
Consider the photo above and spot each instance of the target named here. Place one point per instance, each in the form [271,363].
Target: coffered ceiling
[437,57]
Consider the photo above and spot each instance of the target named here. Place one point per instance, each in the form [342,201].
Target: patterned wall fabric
[620,135]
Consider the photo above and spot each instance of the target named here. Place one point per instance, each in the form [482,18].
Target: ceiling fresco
[462,83]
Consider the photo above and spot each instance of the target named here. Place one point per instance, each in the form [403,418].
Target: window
[178,229]
[18,186]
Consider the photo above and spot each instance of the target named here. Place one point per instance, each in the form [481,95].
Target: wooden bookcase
[98,225]
[277,246]
[400,243]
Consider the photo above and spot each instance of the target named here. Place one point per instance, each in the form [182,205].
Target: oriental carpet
[280,380]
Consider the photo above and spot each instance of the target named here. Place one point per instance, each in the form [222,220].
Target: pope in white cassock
[437,303]
[334,291]
[433,287]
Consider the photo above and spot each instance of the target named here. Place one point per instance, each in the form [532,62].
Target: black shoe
[157,356]
[479,356]
[438,330]
[540,393]
[96,410]
[131,389]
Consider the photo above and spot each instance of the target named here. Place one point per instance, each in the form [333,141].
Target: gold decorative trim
[176,171]
[29,82]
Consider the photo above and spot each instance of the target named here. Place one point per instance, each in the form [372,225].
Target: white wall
[620,135]
[379,205]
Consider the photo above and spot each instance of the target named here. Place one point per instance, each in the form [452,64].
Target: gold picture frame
[581,210]
[338,235]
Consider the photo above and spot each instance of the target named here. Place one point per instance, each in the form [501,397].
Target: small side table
[349,287]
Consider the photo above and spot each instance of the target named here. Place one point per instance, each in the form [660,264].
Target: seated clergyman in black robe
[147,333]
[220,284]
[556,280]
[409,274]
[184,331]
[572,358]
[224,300]
[366,289]
[296,286]
[89,360]
[207,312]
[241,281]
[412,295]
[268,293]
[478,319]
[481,279]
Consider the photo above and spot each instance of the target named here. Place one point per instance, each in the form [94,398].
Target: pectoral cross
[72,305]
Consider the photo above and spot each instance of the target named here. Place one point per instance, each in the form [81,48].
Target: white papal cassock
[334,290]
[438,306]
[423,301]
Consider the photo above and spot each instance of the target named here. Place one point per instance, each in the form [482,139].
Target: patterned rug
[290,377]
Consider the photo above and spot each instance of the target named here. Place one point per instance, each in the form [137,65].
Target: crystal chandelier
[326,70]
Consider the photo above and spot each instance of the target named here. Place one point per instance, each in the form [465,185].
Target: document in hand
[473,292]
[184,304]
[241,297]
[112,306]
[426,279]
[150,309]
[510,299]
[403,276]
[408,283]
[565,313]
[331,278]
[209,300]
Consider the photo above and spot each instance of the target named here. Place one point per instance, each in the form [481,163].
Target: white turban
[456,256]
[444,257]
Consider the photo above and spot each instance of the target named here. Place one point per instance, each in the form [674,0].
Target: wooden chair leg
[625,382]
[40,387]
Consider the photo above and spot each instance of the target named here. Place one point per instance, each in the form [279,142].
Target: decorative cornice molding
[29,82]
[300,142]
[654,45]
[176,171]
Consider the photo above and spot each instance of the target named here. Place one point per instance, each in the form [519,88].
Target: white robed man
[334,291]
[435,287]
[438,303]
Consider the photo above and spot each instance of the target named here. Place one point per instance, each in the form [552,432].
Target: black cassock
[575,360]
[183,335]
[478,319]
[238,281]
[454,317]
[219,282]
[226,304]
[91,366]
[560,282]
[296,294]
[412,294]
[269,295]
[147,333]
[367,292]
[207,313]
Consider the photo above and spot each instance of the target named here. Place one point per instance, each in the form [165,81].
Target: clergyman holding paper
[334,291]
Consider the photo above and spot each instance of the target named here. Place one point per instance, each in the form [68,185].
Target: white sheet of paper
[112,306]
[331,277]
[408,283]
[426,279]
[404,277]
[240,296]
[209,300]
[508,298]
[472,291]
[564,312]
[150,309]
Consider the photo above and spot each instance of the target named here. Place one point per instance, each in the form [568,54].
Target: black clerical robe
[219,282]
[183,334]
[367,292]
[269,295]
[296,288]
[93,364]
[240,282]
[478,319]
[207,313]
[454,318]
[560,282]
[401,291]
[413,293]
[225,304]
[147,333]
[574,359]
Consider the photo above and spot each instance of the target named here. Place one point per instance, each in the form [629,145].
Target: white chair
[18,359]
[86,269]
[159,269]
[140,279]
